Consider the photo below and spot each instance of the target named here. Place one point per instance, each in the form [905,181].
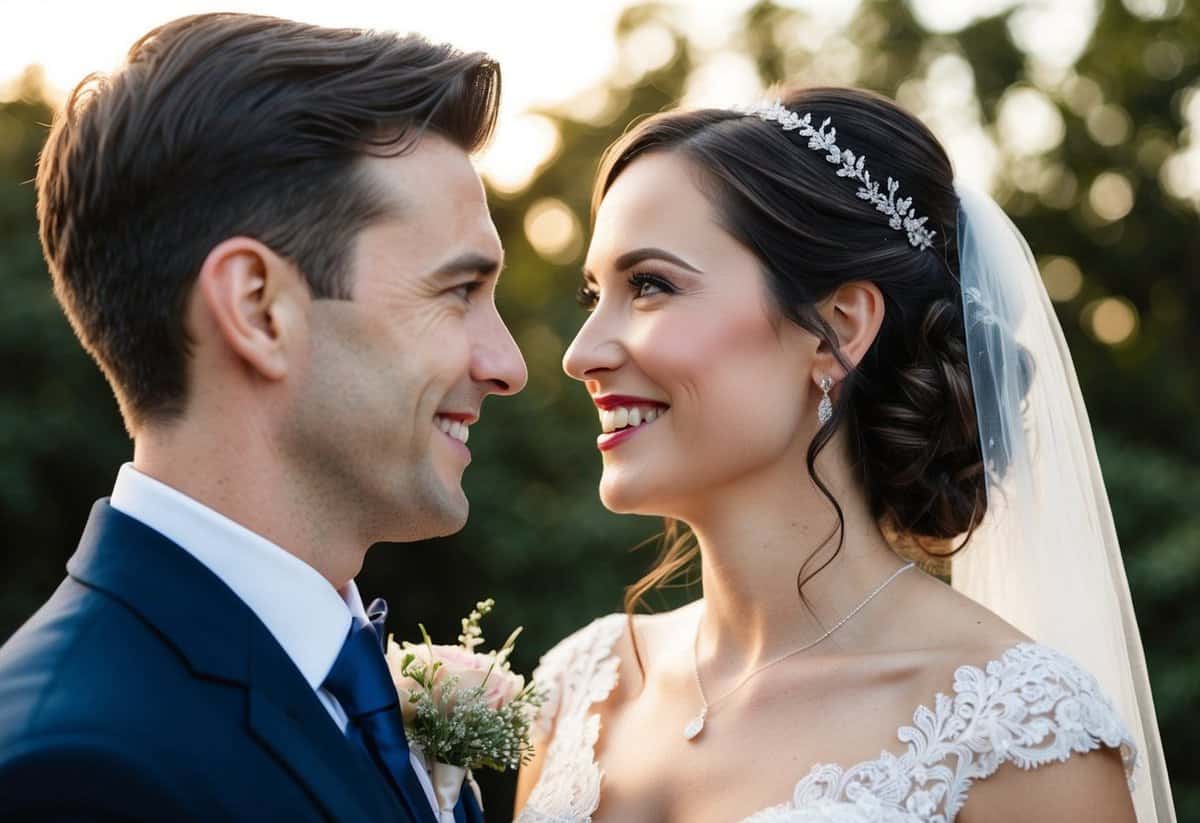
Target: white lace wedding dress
[1030,707]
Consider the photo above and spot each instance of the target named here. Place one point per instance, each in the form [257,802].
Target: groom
[270,237]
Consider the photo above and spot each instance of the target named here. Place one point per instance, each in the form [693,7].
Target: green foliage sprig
[470,726]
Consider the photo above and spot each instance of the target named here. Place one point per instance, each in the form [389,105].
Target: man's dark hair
[224,125]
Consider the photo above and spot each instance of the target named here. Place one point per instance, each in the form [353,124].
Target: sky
[556,54]
[545,48]
[552,52]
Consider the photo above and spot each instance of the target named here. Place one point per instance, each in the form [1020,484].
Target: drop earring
[825,408]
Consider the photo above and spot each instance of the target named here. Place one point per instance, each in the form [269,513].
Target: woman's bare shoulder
[937,617]
[650,640]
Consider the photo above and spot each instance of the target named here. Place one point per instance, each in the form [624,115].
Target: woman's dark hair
[222,125]
[907,408]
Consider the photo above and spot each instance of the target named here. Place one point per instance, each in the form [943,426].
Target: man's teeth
[459,431]
[628,416]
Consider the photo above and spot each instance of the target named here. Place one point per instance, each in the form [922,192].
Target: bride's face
[682,333]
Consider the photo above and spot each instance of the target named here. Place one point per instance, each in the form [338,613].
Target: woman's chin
[628,495]
[617,496]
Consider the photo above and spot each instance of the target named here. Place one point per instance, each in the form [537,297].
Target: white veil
[1045,557]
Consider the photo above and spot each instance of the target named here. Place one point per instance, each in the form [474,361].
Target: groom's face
[398,374]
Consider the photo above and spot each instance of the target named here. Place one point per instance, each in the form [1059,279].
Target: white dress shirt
[306,615]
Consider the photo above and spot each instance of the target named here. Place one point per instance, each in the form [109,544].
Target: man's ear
[855,313]
[255,300]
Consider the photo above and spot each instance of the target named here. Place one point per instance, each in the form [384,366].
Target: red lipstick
[613,401]
[610,440]
[613,439]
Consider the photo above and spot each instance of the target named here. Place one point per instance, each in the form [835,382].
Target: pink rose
[503,686]
[471,669]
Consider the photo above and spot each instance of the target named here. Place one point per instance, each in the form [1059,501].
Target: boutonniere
[463,709]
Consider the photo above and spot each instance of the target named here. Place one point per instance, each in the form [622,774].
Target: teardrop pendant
[693,729]
[825,407]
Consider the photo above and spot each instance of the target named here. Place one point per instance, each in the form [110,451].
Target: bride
[810,347]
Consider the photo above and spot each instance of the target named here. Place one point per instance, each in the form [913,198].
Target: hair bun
[921,455]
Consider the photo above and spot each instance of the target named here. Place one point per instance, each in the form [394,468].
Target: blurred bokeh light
[1082,117]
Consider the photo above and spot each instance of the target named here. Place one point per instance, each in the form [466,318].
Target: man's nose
[498,362]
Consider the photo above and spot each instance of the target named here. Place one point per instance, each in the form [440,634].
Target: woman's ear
[254,300]
[855,313]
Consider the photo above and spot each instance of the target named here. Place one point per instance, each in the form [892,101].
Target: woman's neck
[758,540]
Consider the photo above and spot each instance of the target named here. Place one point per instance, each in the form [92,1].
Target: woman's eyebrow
[631,258]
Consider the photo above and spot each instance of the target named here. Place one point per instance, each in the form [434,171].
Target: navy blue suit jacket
[145,689]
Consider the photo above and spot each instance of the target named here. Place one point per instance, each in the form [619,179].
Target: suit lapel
[287,718]
[196,614]
[221,639]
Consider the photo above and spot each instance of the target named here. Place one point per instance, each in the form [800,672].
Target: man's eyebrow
[631,258]
[469,262]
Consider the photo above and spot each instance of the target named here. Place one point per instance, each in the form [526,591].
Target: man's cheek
[451,348]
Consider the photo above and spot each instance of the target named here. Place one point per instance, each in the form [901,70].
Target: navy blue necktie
[362,684]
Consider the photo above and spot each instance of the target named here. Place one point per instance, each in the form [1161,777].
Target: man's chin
[434,509]
[428,525]
[453,526]
[452,513]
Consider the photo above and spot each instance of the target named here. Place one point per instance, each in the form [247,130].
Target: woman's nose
[594,350]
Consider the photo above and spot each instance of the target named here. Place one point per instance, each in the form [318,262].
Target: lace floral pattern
[576,674]
[1030,707]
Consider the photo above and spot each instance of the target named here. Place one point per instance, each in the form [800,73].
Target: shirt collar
[307,616]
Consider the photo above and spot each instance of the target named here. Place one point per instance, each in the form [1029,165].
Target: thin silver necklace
[692,730]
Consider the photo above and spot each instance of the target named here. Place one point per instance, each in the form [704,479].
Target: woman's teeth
[459,431]
[628,416]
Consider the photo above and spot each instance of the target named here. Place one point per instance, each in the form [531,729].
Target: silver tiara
[898,210]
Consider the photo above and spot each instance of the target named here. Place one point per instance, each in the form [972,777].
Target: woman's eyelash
[587,296]
[640,281]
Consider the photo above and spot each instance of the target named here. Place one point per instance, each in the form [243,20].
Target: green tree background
[538,540]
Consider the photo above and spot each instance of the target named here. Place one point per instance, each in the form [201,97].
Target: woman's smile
[621,416]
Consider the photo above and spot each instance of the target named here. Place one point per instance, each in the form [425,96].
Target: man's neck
[232,477]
